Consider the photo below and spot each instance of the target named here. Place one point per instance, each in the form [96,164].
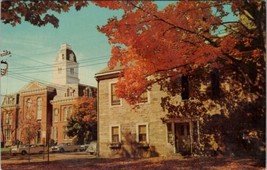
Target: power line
[51,66]
[49,70]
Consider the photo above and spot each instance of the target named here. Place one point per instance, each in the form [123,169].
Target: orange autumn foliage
[182,38]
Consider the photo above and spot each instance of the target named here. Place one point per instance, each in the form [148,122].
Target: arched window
[55,117]
[39,108]
[68,92]
[65,114]
[28,107]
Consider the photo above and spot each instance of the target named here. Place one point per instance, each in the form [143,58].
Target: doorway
[183,138]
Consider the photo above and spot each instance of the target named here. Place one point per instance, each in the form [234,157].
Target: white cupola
[66,68]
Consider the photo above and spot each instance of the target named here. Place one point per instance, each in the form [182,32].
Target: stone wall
[128,119]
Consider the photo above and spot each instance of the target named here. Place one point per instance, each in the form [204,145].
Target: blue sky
[34,49]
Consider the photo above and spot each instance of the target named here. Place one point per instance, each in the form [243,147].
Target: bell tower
[66,68]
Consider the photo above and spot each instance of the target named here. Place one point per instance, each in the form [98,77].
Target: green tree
[82,124]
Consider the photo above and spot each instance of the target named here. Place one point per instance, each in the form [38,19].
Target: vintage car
[65,147]
[26,149]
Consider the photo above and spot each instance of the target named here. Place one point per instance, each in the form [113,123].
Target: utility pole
[3,54]
[3,73]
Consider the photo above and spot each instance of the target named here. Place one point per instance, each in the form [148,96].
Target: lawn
[5,150]
[164,163]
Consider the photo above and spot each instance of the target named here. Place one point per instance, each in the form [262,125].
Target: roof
[108,73]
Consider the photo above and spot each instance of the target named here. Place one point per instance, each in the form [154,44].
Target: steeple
[66,66]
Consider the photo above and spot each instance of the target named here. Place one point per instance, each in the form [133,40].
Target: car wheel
[23,153]
[61,150]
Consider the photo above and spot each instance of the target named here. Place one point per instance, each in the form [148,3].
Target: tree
[28,128]
[184,39]
[82,123]
[36,12]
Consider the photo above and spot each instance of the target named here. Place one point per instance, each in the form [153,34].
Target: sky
[34,48]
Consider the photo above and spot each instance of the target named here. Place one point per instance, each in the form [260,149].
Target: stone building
[140,132]
[50,104]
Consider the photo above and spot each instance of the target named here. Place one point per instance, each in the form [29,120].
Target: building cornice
[63,100]
[35,91]
[107,75]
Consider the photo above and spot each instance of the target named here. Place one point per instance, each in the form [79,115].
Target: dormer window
[72,71]
[71,57]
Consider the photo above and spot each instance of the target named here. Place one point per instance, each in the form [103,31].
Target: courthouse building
[50,104]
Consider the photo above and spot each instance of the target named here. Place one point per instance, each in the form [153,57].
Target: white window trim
[110,132]
[39,112]
[54,120]
[137,131]
[109,96]
[148,99]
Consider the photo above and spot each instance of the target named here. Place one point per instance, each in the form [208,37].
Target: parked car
[84,147]
[25,149]
[65,147]
[92,148]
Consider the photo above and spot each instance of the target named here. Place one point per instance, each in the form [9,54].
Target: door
[182,138]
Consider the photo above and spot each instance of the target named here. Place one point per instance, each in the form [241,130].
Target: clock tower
[66,68]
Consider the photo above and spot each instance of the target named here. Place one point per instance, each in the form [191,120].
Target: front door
[182,138]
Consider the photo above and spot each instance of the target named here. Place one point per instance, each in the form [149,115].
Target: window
[114,99]
[88,92]
[7,118]
[8,134]
[144,97]
[38,136]
[54,133]
[28,107]
[68,92]
[65,114]
[65,132]
[10,119]
[72,71]
[185,88]
[142,135]
[59,70]
[115,134]
[55,115]
[70,111]
[39,109]
[215,84]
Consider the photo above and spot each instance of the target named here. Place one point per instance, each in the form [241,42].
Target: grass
[5,150]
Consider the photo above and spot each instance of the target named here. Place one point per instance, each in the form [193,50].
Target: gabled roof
[35,85]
